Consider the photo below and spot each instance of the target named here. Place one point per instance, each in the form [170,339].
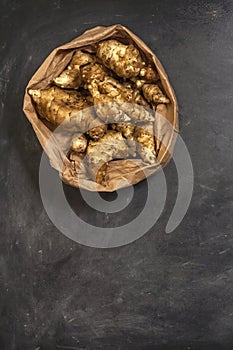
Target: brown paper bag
[120,172]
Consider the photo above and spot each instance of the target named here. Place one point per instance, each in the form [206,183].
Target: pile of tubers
[108,101]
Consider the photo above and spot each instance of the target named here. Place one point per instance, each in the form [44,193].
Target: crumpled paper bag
[120,173]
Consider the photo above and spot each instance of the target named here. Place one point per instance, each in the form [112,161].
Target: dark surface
[164,291]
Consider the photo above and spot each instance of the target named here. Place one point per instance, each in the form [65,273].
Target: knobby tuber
[71,77]
[71,107]
[112,106]
[127,131]
[111,146]
[125,60]
[79,144]
[146,147]
[154,94]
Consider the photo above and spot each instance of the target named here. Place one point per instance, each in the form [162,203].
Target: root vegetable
[121,92]
[71,77]
[146,143]
[57,106]
[124,60]
[112,106]
[111,146]
[81,59]
[79,144]
[94,72]
[149,74]
[154,94]
[106,107]
[127,131]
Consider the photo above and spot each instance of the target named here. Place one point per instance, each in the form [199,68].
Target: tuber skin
[154,94]
[112,106]
[125,61]
[149,74]
[94,72]
[81,59]
[127,131]
[121,92]
[98,131]
[82,70]
[111,146]
[146,146]
[106,107]
[79,144]
[71,77]
[86,121]
[57,106]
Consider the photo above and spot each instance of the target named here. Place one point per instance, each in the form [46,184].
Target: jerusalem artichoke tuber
[149,74]
[79,144]
[146,147]
[58,106]
[112,105]
[71,77]
[94,72]
[82,70]
[124,60]
[127,131]
[154,94]
[121,92]
[106,107]
[111,146]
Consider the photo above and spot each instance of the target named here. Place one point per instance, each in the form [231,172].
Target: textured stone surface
[165,291]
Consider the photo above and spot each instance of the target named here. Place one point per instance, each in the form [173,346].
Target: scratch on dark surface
[224,251]
[71,320]
[69,347]
[192,264]
[207,188]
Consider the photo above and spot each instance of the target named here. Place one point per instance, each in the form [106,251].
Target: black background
[164,291]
